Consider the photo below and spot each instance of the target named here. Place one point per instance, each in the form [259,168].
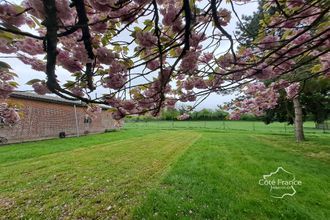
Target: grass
[164,174]
[257,126]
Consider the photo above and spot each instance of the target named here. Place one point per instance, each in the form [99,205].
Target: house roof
[48,98]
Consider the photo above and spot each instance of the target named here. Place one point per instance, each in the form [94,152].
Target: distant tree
[169,114]
[294,101]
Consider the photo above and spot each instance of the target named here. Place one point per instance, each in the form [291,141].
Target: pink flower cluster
[117,76]
[30,46]
[40,88]
[258,98]
[93,110]
[146,39]
[8,114]
[292,90]
[189,62]
[102,5]
[225,61]
[189,97]
[206,57]
[105,56]
[295,3]
[5,89]
[196,39]
[128,105]
[183,117]
[77,91]
[325,62]
[224,16]
[5,83]
[62,6]
[6,47]
[35,63]
[64,59]
[269,42]
[9,14]
[169,16]
[115,81]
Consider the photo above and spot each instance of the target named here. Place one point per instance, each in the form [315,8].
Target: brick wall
[43,120]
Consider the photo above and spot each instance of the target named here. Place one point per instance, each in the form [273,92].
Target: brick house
[47,116]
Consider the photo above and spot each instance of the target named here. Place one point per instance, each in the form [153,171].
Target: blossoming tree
[149,54]
[267,89]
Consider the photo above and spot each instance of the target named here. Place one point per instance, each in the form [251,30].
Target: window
[87,119]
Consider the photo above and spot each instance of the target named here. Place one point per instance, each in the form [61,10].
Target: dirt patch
[6,203]
[319,155]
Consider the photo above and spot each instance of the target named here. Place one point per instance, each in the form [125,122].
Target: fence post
[75,114]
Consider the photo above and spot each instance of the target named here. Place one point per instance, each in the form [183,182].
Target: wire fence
[255,126]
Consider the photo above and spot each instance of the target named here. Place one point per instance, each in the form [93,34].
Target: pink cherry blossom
[190,61]
[200,83]
[225,61]
[93,110]
[269,42]
[67,61]
[146,39]
[128,105]
[5,89]
[292,90]
[235,115]
[8,114]
[117,115]
[224,16]
[30,46]
[206,57]
[188,84]
[9,14]
[35,63]
[295,3]
[183,117]
[105,56]
[153,65]
[170,102]
[77,91]
[40,88]
[6,47]
[117,76]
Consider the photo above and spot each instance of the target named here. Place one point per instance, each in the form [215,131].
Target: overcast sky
[25,73]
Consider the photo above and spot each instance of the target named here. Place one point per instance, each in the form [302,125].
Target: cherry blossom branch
[81,12]
[22,33]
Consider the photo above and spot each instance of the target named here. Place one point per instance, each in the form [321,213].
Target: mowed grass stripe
[97,182]
[217,178]
[18,152]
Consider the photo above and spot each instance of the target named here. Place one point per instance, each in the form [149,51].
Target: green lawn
[135,173]
[257,126]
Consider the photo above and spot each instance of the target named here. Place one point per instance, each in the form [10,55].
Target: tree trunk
[298,121]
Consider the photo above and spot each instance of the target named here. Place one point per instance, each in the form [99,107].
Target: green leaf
[148,22]
[36,20]
[32,81]
[316,68]
[117,48]
[14,84]
[7,35]
[4,65]
[69,84]
[137,29]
